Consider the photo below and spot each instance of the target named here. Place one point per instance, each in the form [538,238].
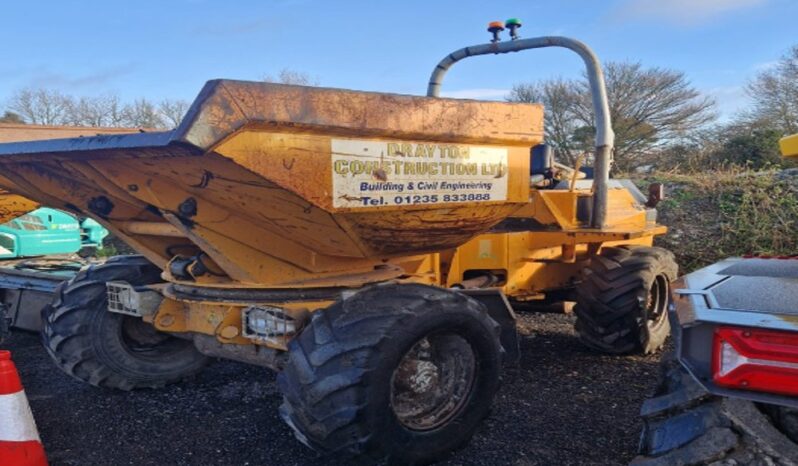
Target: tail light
[758,360]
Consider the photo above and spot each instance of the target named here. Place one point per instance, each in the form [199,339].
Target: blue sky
[159,49]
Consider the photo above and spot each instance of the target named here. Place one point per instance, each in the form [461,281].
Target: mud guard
[501,311]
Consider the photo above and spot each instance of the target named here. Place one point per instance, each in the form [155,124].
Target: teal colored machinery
[92,234]
[46,231]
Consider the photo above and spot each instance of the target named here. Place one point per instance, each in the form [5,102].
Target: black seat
[541,160]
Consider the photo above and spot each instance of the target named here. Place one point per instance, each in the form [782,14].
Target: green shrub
[717,214]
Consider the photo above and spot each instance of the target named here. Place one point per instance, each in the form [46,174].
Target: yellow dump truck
[362,244]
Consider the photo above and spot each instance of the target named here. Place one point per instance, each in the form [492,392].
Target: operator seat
[541,160]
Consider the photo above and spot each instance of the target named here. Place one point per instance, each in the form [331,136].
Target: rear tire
[401,374]
[622,300]
[684,424]
[107,349]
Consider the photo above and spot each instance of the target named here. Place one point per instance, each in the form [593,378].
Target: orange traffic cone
[19,439]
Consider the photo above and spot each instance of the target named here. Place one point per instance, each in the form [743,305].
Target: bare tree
[142,114]
[650,109]
[40,106]
[51,107]
[775,94]
[562,127]
[105,110]
[288,76]
[172,111]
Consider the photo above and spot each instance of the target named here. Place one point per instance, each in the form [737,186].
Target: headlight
[267,324]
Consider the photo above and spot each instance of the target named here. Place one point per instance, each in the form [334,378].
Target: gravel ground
[563,405]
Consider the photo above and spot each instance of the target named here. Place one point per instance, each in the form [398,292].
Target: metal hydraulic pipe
[152,229]
[605,137]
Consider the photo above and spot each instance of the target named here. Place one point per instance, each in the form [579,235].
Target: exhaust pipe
[605,137]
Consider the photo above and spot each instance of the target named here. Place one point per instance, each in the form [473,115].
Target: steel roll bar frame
[605,137]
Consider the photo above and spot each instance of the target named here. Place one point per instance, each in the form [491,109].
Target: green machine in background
[47,231]
[37,253]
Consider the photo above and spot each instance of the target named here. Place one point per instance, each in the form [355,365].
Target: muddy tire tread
[67,331]
[325,381]
[611,295]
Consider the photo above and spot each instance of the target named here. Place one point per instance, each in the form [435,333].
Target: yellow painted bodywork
[223,320]
[246,186]
[14,205]
[789,146]
[264,209]
[551,256]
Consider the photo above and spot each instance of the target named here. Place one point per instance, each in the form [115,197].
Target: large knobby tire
[108,349]
[401,374]
[685,425]
[622,300]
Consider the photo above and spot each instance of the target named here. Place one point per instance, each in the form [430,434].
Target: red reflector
[759,360]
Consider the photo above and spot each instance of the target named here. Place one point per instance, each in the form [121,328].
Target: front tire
[396,373]
[622,300]
[107,349]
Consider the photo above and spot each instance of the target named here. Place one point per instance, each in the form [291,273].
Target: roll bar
[605,137]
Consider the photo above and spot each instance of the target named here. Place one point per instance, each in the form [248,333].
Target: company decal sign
[368,174]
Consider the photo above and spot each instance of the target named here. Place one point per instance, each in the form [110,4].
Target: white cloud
[684,12]
[765,65]
[478,94]
[43,76]
[729,100]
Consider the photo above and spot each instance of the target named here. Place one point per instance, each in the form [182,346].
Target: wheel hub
[417,376]
[141,337]
[657,301]
[433,380]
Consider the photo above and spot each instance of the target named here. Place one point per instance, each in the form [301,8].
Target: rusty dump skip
[13,205]
[280,183]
